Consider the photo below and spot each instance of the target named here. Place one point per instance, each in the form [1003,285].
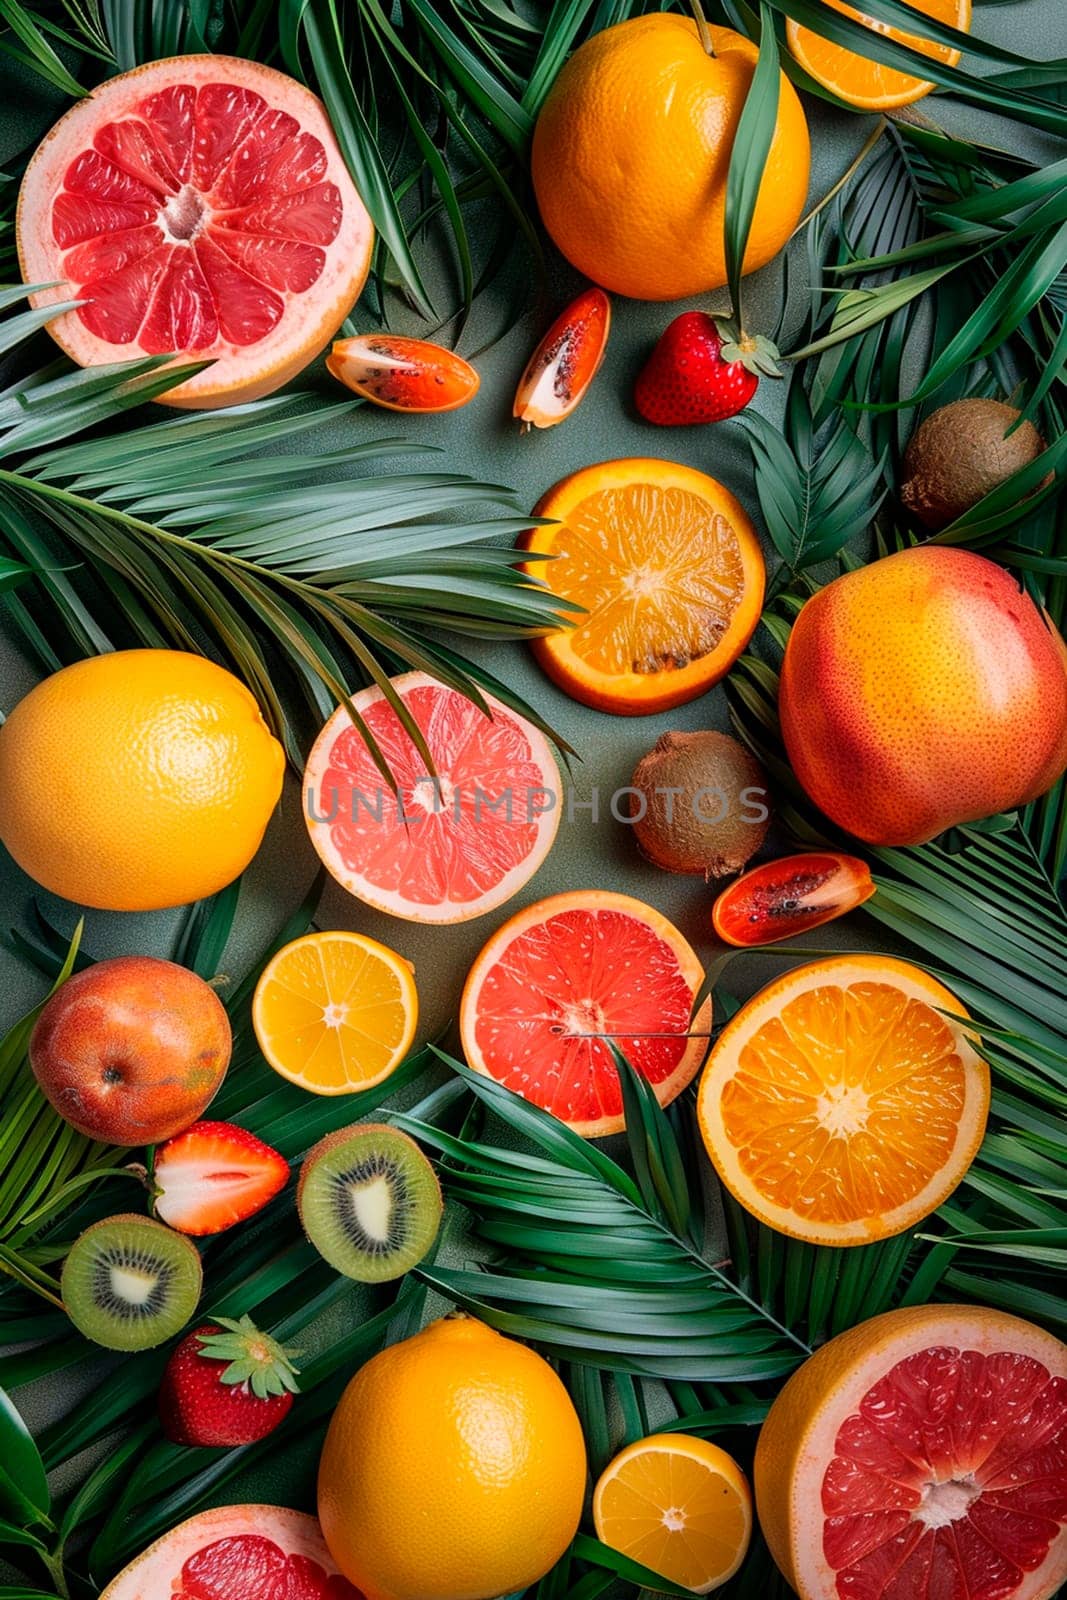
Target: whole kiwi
[960,454]
[700,805]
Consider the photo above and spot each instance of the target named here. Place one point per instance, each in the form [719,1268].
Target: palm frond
[595,1269]
[191,535]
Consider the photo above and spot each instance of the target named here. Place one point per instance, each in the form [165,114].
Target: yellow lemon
[137,780]
[454,1468]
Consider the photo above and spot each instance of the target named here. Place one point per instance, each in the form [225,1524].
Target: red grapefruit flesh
[403,374]
[447,847]
[921,1456]
[236,1553]
[788,896]
[198,206]
[565,362]
[570,968]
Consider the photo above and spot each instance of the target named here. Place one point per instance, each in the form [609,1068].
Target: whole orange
[454,1468]
[923,691]
[137,780]
[632,148]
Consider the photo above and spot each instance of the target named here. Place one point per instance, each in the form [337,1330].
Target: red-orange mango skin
[923,691]
[131,1051]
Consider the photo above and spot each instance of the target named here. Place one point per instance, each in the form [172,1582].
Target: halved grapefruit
[921,1456]
[448,845]
[198,206]
[569,974]
[236,1553]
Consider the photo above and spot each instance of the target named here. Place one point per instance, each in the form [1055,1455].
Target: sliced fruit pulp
[446,840]
[187,223]
[403,374]
[950,1480]
[565,362]
[676,1516]
[659,571]
[334,1011]
[250,1567]
[847,1103]
[582,972]
[781,898]
[862,80]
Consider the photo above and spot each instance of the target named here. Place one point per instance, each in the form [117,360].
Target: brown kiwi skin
[680,842]
[959,454]
[342,1136]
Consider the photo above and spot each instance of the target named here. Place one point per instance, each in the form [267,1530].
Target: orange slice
[669,570]
[863,82]
[841,1105]
[680,1506]
[335,1012]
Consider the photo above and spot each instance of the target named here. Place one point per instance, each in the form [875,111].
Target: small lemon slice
[680,1506]
[335,1012]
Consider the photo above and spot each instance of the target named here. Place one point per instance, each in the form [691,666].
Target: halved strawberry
[213,1175]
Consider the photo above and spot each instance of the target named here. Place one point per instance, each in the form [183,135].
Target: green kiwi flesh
[130,1283]
[370,1202]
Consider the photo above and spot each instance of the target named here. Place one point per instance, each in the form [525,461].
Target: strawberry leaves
[253,1358]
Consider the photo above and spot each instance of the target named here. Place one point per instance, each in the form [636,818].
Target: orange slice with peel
[845,1101]
[402,374]
[668,568]
[680,1506]
[862,81]
[335,1012]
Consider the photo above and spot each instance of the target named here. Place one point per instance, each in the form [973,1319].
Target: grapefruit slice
[921,1456]
[445,847]
[236,1553]
[564,976]
[198,206]
[845,1101]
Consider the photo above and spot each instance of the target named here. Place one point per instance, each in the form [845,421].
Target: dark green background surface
[483,441]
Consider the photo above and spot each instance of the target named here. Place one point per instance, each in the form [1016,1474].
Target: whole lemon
[454,1468]
[631,151]
[137,780]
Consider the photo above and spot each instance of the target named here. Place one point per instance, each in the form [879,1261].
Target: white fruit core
[135,1288]
[946,1502]
[843,1108]
[372,1207]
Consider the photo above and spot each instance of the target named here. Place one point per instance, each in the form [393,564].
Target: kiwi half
[370,1202]
[130,1283]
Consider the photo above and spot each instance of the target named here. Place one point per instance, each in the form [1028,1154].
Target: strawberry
[214,1175]
[226,1384]
[701,371]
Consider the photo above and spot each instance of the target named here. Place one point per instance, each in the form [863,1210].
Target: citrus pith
[845,1101]
[668,568]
